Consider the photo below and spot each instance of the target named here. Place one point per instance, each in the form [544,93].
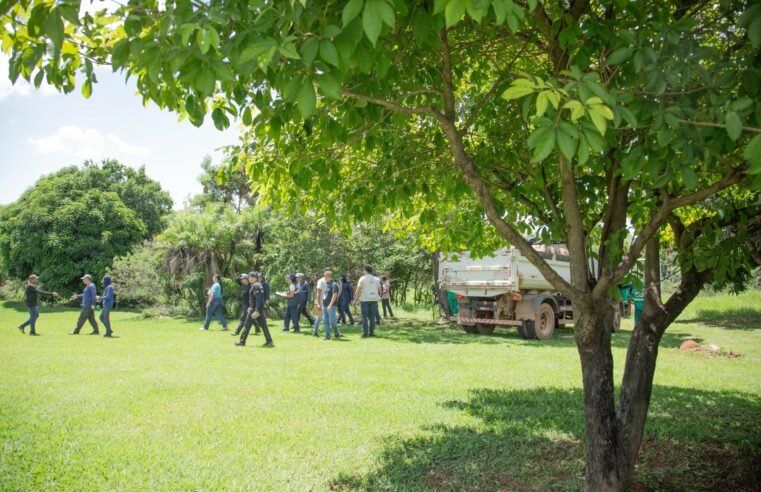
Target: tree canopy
[603,124]
[77,220]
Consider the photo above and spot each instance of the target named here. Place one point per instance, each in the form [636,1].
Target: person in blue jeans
[31,299]
[329,304]
[107,301]
[292,305]
[368,294]
[214,304]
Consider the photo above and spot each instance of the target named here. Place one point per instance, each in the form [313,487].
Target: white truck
[506,289]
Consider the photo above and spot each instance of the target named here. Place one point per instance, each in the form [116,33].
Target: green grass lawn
[422,407]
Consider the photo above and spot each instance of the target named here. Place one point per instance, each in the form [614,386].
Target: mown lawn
[422,407]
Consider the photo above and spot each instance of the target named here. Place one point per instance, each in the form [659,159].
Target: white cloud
[87,143]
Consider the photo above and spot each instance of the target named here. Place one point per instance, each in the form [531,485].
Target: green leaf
[583,154]
[599,121]
[205,82]
[288,50]
[329,86]
[133,24]
[203,38]
[690,178]
[541,103]
[386,14]
[291,89]
[734,125]
[516,92]
[618,56]
[221,121]
[309,50]
[86,88]
[54,28]
[258,48]
[544,146]
[372,23]
[306,99]
[186,30]
[567,144]
[538,135]
[454,11]
[351,10]
[752,154]
[328,52]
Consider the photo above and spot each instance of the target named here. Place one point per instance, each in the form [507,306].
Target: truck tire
[469,329]
[485,329]
[526,329]
[544,325]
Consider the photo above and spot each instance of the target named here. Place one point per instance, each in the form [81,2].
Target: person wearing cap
[304,291]
[214,304]
[89,298]
[344,302]
[31,299]
[107,304]
[245,286]
[292,305]
[256,316]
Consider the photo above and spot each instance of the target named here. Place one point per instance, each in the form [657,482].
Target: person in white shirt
[368,294]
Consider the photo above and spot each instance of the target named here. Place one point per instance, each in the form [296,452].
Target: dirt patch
[707,350]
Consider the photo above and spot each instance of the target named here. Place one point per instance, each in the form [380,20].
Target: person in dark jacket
[89,298]
[256,316]
[304,291]
[265,286]
[245,286]
[344,302]
[31,299]
[107,304]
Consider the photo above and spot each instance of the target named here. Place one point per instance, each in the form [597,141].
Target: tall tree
[614,114]
[224,184]
[78,219]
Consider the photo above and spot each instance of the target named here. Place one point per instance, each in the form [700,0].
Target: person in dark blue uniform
[256,316]
[245,285]
[304,291]
[344,302]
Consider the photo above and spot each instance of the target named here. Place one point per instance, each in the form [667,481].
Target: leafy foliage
[77,220]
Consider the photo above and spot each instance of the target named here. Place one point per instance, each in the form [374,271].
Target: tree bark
[593,342]
[641,356]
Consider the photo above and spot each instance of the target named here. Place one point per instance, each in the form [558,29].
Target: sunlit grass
[423,406]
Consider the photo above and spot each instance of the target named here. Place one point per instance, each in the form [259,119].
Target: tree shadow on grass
[533,440]
[417,331]
[743,318]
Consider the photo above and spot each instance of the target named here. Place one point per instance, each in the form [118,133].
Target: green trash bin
[638,303]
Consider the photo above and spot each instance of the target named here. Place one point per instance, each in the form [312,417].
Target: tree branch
[393,105]
[732,176]
[481,187]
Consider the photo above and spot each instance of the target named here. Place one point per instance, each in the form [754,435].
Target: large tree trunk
[637,384]
[593,332]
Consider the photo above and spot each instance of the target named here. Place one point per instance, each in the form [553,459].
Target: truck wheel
[469,329]
[544,326]
[526,329]
[485,329]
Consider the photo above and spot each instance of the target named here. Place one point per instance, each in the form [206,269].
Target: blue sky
[42,131]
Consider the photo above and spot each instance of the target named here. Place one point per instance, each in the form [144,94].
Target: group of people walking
[332,300]
[89,299]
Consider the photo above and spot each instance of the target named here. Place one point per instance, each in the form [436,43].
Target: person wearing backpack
[107,304]
[31,299]
[329,304]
